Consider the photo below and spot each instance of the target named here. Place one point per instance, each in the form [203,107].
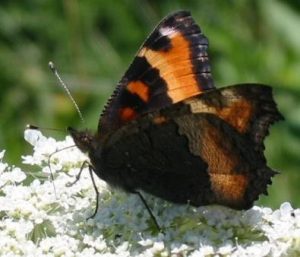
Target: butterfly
[168,131]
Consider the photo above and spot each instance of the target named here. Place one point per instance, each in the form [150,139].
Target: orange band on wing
[175,67]
[238,112]
[140,89]
[228,185]
[237,115]
[229,188]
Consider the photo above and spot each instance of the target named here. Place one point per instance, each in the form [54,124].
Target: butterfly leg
[79,174]
[91,170]
[49,165]
[149,210]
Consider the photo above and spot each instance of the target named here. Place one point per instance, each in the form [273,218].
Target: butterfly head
[83,140]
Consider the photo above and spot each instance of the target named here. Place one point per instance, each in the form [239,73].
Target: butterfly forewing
[172,65]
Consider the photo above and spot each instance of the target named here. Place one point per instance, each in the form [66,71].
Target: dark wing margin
[172,65]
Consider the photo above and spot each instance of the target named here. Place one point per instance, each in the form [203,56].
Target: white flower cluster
[42,215]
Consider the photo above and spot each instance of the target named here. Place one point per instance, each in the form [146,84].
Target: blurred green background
[93,42]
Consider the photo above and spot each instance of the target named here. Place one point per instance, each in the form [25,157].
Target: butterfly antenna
[62,83]
[31,126]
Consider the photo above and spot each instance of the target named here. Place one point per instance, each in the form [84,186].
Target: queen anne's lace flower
[44,217]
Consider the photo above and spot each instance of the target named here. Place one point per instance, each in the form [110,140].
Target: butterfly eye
[86,139]
[82,139]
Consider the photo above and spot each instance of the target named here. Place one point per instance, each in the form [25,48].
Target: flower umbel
[37,220]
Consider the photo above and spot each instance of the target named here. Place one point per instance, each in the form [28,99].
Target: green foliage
[42,230]
[93,42]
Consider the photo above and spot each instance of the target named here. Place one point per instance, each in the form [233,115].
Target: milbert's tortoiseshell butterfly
[167,130]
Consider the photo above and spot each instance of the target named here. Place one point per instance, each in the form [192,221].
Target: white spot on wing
[167,31]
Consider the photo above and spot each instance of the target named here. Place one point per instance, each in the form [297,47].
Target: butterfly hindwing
[249,108]
[187,157]
[172,65]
